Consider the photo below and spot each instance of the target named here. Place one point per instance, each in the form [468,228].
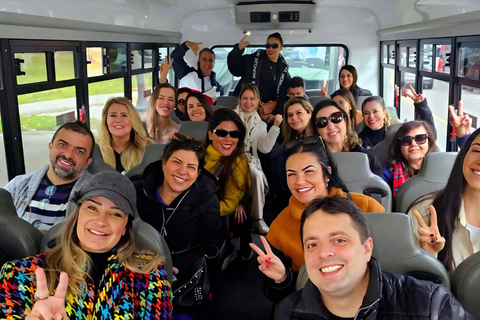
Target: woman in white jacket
[257,139]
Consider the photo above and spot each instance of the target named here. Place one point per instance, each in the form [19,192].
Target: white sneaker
[260,227]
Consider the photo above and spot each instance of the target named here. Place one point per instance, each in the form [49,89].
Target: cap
[112,185]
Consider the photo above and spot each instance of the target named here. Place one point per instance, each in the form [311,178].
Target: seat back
[465,283]
[395,250]
[359,127]
[217,106]
[230,102]
[98,165]
[354,170]
[433,176]
[194,129]
[382,149]
[152,153]
[19,239]
[315,100]
[146,238]
[174,118]
[360,100]
[313,92]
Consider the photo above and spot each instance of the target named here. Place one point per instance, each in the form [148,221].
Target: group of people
[199,191]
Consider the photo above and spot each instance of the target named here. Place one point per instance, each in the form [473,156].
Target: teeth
[304,189]
[330,269]
[179,179]
[98,233]
[226,146]
[333,134]
[477,172]
[65,162]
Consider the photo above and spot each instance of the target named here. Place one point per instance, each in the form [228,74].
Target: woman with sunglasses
[333,125]
[177,197]
[265,68]
[180,110]
[348,78]
[311,173]
[161,105]
[197,107]
[411,143]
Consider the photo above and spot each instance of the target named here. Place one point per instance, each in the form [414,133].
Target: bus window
[437,98]
[469,60]
[98,95]
[34,65]
[389,86]
[407,109]
[470,97]
[141,91]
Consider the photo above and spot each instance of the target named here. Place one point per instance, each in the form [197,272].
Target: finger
[42,286]
[425,232]
[460,108]
[322,84]
[266,246]
[433,217]
[326,86]
[413,90]
[453,115]
[166,59]
[426,240]
[62,288]
[44,310]
[199,43]
[244,37]
[420,220]
[257,250]
[247,43]
[171,61]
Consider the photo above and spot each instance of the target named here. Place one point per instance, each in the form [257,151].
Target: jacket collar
[213,154]
[296,207]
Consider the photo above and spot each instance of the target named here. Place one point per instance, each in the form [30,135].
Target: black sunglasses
[335,117]
[272,45]
[222,133]
[419,139]
[181,102]
[306,141]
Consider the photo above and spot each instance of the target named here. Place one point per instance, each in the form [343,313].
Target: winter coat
[357,92]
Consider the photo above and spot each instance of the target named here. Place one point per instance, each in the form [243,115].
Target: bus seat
[315,100]
[354,170]
[19,239]
[359,127]
[360,100]
[152,153]
[465,283]
[174,118]
[217,106]
[230,102]
[406,259]
[313,93]
[194,129]
[98,165]
[382,149]
[433,176]
[146,238]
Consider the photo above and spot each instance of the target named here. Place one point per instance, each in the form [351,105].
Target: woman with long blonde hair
[122,137]
[161,105]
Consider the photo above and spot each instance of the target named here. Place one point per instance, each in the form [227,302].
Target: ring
[37,296]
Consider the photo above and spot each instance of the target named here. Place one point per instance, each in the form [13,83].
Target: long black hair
[203,101]
[447,204]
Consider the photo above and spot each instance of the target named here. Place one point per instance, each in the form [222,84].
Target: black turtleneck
[99,264]
[370,138]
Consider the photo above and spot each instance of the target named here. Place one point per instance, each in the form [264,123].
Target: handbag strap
[200,246]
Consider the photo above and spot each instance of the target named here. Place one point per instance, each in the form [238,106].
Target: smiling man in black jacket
[346,282]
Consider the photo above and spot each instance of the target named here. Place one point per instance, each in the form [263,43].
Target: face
[297,117]
[271,52]
[195,110]
[333,133]
[207,62]
[225,146]
[305,177]
[414,151]
[374,115]
[69,154]
[119,122]
[100,225]
[249,101]
[180,170]
[471,165]
[335,257]
[346,79]
[343,103]
[165,102]
[296,92]
[181,105]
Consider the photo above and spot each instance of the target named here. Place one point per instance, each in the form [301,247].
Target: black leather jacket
[388,297]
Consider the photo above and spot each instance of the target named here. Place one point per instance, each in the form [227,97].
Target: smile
[98,233]
[226,146]
[476,172]
[178,179]
[65,162]
[333,134]
[303,190]
[331,268]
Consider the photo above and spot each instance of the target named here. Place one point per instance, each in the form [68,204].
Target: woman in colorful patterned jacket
[95,272]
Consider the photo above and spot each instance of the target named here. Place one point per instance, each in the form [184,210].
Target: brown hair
[286,129]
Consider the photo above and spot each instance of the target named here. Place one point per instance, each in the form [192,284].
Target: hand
[243,43]
[194,46]
[461,123]
[324,91]
[270,264]
[417,98]
[268,107]
[277,120]
[164,69]
[52,307]
[430,238]
[175,271]
[240,215]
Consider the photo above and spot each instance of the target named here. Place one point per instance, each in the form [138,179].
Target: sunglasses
[306,141]
[181,102]
[335,117]
[272,45]
[222,133]
[419,139]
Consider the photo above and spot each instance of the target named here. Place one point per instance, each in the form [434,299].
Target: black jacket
[357,92]
[249,66]
[388,297]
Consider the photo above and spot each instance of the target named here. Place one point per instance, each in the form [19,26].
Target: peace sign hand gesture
[417,98]
[461,123]
[243,43]
[49,307]
[164,69]
[324,91]
[194,46]
[270,264]
[430,238]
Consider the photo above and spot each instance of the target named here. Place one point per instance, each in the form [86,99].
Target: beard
[64,173]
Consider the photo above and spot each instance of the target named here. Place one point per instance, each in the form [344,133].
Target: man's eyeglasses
[181,102]
[335,117]
[272,45]
[419,139]
[222,133]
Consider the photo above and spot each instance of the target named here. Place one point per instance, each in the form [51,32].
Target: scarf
[399,177]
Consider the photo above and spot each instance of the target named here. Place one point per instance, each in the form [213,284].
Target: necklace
[166,129]
[271,69]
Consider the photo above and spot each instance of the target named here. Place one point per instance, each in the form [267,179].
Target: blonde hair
[69,257]
[138,137]
[246,87]
[286,129]
[152,115]
[387,120]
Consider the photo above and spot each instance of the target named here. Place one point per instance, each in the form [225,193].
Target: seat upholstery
[217,106]
[146,238]
[152,153]
[354,170]
[315,100]
[382,149]
[228,101]
[19,238]
[359,101]
[433,176]
[466,282]
[194,129]
[395,250]
[98,165]
[313,92]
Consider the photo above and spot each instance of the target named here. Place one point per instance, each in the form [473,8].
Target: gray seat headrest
[313,93]
[98,165]
[194,129]
[382,149]
[228,101]
[152,153]
[465,283]
[315,100]
[360,100]
[217,106]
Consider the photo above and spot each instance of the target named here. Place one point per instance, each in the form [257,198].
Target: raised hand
[240,215]
[461,123]
[270,264]
[194,46]
[417,98]
[430,238]
[324,91]
[277,120]
[164,69]
[47,306]
[243,43]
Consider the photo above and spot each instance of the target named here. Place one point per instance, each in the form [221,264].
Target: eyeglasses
[272,45]
[335,117]
[222,133]
[419,139]
[308,140]
[181,102]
